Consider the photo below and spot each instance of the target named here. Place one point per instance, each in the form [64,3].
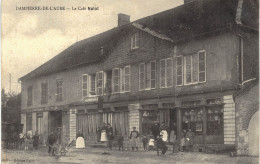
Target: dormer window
[135,41]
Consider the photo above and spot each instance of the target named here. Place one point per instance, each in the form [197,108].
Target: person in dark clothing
[145,142]
[98,134]
[161,145]
[51,140]
[120,142]
[35,140]
[155,130]
[109,136]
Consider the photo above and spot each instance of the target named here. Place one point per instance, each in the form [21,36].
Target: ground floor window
[192,118]
[149,117]
[214,121]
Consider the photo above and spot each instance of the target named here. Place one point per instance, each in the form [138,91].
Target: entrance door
[55,124]
[173,121]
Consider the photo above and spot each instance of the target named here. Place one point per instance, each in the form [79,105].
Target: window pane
[85,85]
[202,76]
[202,66]
[179,70]
[162,73]
[141,76]
[195,68]
[169,73]
[188,69]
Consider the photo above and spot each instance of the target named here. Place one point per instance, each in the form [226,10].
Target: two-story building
[181,66]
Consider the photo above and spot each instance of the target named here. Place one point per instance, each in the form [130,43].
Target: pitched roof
[185,21]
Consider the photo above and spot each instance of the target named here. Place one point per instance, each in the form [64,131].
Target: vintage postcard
[128,81]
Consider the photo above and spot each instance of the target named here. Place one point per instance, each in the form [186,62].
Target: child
[151,144]
[120,142]
[145,142]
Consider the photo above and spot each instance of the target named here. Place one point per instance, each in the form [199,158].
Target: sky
[31,37]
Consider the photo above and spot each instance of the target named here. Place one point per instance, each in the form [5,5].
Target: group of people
[28,137]
[105,134]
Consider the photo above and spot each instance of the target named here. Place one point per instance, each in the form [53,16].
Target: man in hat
[161,145]
[109,136]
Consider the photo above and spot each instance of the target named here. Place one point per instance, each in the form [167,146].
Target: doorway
[173,121]
[55,124]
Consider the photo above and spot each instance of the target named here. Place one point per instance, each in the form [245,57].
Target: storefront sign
[191,103]
[91,99]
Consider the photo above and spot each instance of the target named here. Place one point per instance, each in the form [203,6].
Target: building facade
[177,67]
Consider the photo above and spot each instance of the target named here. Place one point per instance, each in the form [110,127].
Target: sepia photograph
[130,82]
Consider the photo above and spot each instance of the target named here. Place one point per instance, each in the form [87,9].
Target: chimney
[123,19]
[187,1]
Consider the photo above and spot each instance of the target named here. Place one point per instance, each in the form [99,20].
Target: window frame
[125,75]
[113,81]
[59,99]
[146,74]
[30,95]
[82,82]
[135,41]
[184,73]
[102,84]
[46,96]
[182,70]
[165,77]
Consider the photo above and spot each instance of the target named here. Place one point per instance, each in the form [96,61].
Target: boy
[145,142]
[120,142]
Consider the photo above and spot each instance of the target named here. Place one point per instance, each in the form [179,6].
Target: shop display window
[192,118]
[149,117]
[215,121]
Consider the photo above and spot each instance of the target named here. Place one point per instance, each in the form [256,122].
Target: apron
[103,137]
[165,135]
[80,143]
[134,140]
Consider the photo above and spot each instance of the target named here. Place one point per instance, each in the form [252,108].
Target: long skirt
[165,135]
[133,142]
[103,137]
[80,143]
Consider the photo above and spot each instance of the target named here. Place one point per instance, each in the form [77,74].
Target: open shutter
[141,76]
[162,73]
[202,66]
[179,69]
[84,85]
[148,76]
[153,74]
[169,72]
[127,78]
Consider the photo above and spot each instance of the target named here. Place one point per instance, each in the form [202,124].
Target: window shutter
[169,72]
[115,80]
[84,85]
[148,75]
[137,42]
[202,66]
[127,78]
[179,69]
[141,76]
[195,69]
[162,73]
[153,74]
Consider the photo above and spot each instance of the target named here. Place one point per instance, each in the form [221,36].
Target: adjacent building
[181,66]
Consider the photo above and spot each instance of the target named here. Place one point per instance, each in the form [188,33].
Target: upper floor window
[147,75]
[29,95]
[135,41]
[194,68]
[121,79]
[166,73]
[59,84]
[99,84]
[44,93]
[85,85]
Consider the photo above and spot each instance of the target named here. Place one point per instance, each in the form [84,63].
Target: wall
[221,51]
[247,104]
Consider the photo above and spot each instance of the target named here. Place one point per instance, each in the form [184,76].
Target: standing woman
[134,138]
[80,142]
[164,132]
[103,137]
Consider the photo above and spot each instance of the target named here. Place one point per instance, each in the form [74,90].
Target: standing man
[35,140]
[155,130]
[109,136]
[190,140]
[51,141]
[134,138]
